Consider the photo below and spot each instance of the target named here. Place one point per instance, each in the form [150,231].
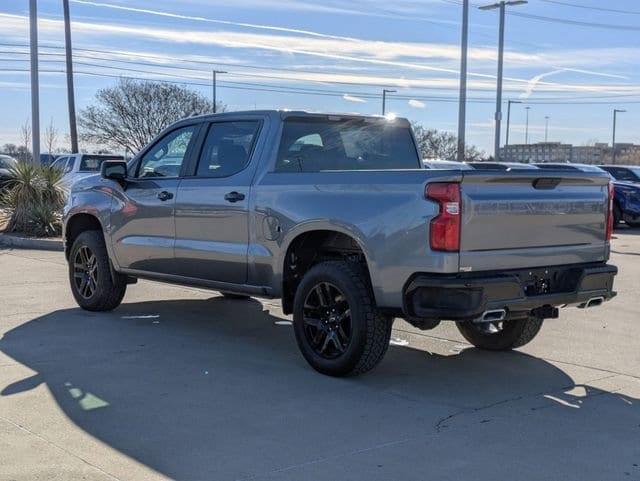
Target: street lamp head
[619,110]
[389,91]
[511,3]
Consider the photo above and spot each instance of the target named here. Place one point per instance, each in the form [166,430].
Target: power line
[248,75]
[276,89]
[563,21]
[588,7]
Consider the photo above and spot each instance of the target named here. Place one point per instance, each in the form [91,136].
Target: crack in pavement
[437,428]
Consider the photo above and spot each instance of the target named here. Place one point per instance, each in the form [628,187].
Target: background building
[599,153]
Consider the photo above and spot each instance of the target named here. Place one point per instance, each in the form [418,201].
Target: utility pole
[509,102]
[613,143]
[73,130]
[215,100]
[384,99]
[498,117]
[526,128]
[462,108]
[35,86]
[546,129]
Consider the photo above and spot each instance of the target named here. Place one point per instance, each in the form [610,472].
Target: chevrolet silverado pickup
[336,216]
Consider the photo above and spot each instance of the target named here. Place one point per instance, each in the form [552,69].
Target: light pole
[35,86]
[384,99]
[526,128]
[215,100]
[73,130]
[462,108]
[502,6]
[509,102]
[546,129]
[613,143]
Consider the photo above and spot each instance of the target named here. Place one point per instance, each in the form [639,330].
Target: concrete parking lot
[180,383]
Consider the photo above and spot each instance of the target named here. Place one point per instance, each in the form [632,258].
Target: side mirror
[114,170]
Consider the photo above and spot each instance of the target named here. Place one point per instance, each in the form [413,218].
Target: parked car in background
[78,166]
[501,166]
[6,164]
[445,164]
[337,216]
[626,173]
[626,203]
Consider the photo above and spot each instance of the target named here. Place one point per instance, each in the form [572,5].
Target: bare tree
[50,137]
[10,149]
[25,136]
[132,113]
[436,144]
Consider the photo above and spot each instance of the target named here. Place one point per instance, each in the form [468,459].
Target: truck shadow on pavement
[216,389]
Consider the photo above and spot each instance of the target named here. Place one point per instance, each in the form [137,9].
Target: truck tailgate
[532,219]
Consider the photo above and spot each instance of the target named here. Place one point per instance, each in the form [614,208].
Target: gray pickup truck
[336,216]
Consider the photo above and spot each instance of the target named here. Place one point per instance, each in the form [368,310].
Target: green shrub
[33,200]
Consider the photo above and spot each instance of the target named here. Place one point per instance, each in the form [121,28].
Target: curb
[8,240]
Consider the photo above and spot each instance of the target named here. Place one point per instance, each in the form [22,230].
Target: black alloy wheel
[85,268]
[327,320]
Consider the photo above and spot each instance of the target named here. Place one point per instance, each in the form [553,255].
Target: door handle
[164,195]
[234,196]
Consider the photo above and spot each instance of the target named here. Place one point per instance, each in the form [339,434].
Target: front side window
[318,144]
[227,148]
[165,158]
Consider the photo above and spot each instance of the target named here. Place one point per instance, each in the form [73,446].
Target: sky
[573,61]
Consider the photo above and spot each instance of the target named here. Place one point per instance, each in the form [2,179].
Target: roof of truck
[294,113]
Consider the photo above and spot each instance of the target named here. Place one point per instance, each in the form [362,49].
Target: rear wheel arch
[311,247]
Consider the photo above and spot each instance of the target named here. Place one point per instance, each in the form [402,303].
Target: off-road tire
[515,333]
[371,331]
[111,286]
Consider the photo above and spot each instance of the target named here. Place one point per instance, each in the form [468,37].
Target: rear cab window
[92,163]
[315,144]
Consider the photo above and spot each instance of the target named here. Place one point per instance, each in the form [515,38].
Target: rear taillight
[612,193]
[444,232]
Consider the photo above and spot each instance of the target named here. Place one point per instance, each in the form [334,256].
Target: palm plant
[33,199]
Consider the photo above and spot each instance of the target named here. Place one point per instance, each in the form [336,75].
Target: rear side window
[92,163]
[314,145]
[227,148]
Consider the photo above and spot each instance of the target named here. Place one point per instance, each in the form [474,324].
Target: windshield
[6,162]
[92,163]
[318,144]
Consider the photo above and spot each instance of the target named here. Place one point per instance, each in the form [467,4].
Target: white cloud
[352,98]
[416,104]
[422,57]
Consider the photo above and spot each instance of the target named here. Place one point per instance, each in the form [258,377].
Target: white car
[78,166]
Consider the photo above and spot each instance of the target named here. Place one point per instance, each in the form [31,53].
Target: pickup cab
[336,216]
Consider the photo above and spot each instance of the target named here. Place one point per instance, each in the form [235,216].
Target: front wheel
[92,283]
[338,328]
[500,336]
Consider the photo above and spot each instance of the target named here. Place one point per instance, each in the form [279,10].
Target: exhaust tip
[494,315]
[595,301]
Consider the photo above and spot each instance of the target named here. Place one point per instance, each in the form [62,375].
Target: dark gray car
[335,215]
